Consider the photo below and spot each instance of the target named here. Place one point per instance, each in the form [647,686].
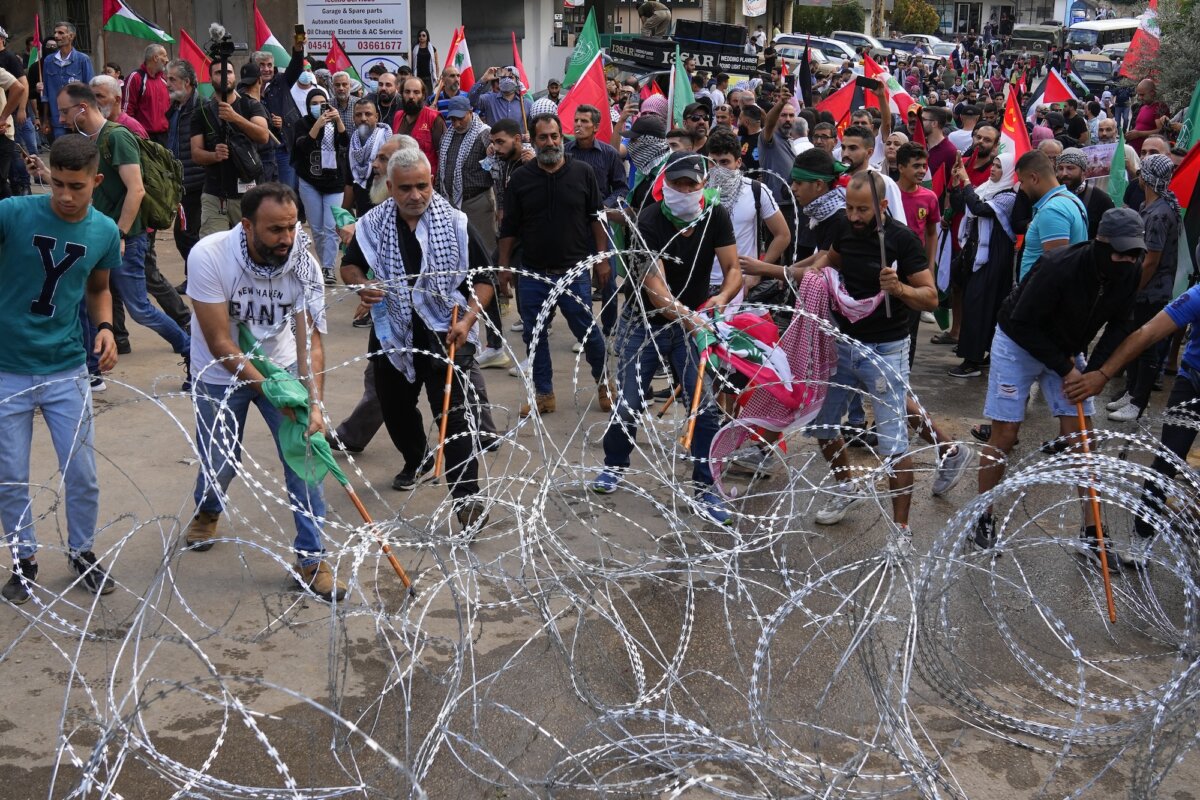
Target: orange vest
[422,131]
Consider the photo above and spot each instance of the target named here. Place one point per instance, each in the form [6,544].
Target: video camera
[221,48]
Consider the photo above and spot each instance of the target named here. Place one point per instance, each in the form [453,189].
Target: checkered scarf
[476,130]
[1157,171]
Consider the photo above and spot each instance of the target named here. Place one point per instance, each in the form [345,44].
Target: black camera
[221,46]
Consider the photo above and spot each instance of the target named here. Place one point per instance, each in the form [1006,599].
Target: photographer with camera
[319,158]
[225,132]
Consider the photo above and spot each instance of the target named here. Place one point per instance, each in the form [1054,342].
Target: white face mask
[685,205]
[364,131]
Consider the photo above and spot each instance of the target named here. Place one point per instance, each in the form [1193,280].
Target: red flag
[459,57]
[841,103]
[590,89]
[336,59]
[1144,45]
[190,52]
[1014,138]
[526,89]
[649,90]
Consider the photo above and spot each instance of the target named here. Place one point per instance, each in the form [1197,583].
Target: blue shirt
[45,263]
[55,76]
[443,101]
[1058,215]
[494,107]
[606,162]
[1183,311]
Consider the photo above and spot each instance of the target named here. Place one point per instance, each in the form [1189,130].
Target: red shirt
[147,100]
[941,157]
[1147,120]
[921,208]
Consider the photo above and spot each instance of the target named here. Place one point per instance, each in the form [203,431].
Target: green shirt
[118,146]
[45,262]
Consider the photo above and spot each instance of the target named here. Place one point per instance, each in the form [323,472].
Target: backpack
[162,178]
[242,152]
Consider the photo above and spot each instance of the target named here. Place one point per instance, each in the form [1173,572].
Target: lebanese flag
[190,52]
[1144,45]
[750,344]
[460,57]
[526,89]
[265,40]
[336,59]
[120,18]
[1052,89]
[590,90]
[1014,138]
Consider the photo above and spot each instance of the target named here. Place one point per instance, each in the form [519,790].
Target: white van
[1102,33]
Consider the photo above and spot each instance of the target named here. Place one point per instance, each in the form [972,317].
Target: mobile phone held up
[867,84]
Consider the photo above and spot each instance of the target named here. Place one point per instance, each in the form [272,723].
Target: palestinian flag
[265,40]
[336,59]
[804,78]
[120,18]
[35,52]
[190,52]
[1186,186]
[841,103]
[749,343]
[1052,89]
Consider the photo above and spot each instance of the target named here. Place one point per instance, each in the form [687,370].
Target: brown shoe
[605,392]
[202,530]
[318,578]
[545,405]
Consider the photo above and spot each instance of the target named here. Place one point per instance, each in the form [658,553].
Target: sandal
[943,337]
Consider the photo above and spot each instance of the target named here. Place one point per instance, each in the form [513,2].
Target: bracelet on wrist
[106,326]
[1102,372]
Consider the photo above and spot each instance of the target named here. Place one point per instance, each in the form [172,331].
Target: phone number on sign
[359,47]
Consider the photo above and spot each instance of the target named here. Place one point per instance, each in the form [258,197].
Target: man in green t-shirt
[56,251]
[119,196]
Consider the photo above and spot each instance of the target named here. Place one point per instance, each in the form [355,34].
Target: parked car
[905,49]
[869,43]
[921,38]
[943,49]
[832,48]
[821,64]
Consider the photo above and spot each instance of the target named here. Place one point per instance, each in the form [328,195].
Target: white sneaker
[1138,554]
[899,542]
[525,367]
[843,497]
[517,326]
[494,358]
[928,317]
[1126,413]
[577,347]
[1120,402]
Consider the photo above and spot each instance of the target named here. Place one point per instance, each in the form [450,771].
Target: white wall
[442,17]
[543,61]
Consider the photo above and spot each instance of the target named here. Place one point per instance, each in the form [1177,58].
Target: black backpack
[242,152]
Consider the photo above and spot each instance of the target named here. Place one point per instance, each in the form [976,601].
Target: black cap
[1055,120]
[648,125]
[1123,228]
[686,165]
[970,111]
[554,82]
[697,108]
[250,74]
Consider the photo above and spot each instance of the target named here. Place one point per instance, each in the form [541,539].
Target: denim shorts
[880,370]
[1013,372]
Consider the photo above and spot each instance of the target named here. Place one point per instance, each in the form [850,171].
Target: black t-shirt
[1076,127]
[750,159]
[13,63]
[687,260]
[551,214]
[860,272]
[221,179]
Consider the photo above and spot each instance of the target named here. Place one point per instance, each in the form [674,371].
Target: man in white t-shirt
[961,138]
[261,274]
[749,203]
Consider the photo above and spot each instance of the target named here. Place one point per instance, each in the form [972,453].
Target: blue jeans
[130,280]
[608,301]
[881,371]
[1014,370]
[65,399]
[283,160]
[575,302]
[220,423]
[318,208]
[642,350]
[26,136]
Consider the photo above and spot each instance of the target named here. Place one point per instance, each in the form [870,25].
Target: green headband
[799,174]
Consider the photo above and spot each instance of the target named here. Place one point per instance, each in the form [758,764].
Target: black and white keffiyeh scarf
[825,206]
[441,272]
[647,152]
[362,154]
[300,262]
[476,130]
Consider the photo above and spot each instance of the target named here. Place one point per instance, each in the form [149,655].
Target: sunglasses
[697,118]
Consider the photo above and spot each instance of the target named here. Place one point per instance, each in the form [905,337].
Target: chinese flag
[1014,138]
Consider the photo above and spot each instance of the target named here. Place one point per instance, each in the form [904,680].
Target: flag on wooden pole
[35,52]
[526,89]
[336,59]
[459,57]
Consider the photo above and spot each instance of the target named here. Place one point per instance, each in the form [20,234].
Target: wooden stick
[686,441]
[670,400]
[1112,609]
[437,463]
[387,551]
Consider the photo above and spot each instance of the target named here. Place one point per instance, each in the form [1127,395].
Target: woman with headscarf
[425,61]
[985,264]
[318,157]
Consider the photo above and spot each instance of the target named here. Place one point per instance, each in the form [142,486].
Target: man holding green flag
[261,276]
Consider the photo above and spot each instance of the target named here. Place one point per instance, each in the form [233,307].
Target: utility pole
[877,17]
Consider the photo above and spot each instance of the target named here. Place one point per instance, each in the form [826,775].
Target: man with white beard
[368,139]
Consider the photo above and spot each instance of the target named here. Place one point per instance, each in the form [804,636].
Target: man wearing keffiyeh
[409,256]
[366,140]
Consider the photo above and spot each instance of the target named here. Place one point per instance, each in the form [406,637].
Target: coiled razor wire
[619,645]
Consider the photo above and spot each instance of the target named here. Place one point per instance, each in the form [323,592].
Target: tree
[915,16]
[1175,66]
[842,16]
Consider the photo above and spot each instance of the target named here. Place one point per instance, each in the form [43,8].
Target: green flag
[680,96]
[586,47]
[1191,125]
[1117,179]
[312,458]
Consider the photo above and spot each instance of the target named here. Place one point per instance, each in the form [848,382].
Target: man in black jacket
[1043,331]
[181,82]
[281,108]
